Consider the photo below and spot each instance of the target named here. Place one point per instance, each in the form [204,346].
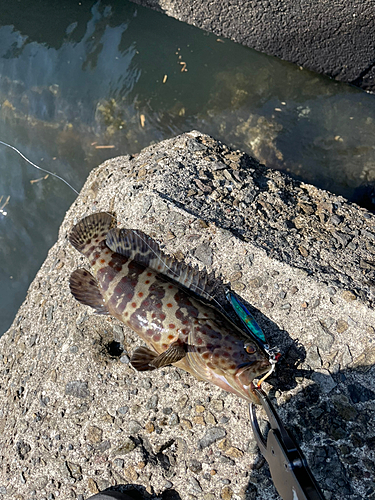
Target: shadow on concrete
[334,428]
[133,492]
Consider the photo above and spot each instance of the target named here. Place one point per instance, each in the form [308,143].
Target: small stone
[173,419]
[304,305]
[293,290]
[200,409]
[315,303]
[210,418]
[77,388]
[131,474]
[223,420]
[303,251]
[92,486]
[224,444]
[238,286]
[255,282]
[199,420]
[134,427]
[341,326]
[195,487]
[234,452]
[149,427]
[348,296]
[186,424]
[209,496]
[211,436]
[125,447]
[167,410]
[125,359]
[281,294]
[324,379]
[226,493]
[195,466]
[235,276]
[204,254]
[118,462]
[94,434]
[285,307]
[268,304]
[123,409]
[183,401]
[152,403]
[217,404]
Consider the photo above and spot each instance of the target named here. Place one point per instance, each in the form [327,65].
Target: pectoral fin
[85,289]
[144,359]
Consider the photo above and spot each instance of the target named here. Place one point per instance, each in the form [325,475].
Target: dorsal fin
[92,227]
[140,247]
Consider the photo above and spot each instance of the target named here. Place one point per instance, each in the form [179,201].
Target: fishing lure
[255,332]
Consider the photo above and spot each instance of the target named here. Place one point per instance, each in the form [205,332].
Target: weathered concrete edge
[334,39]
[57,348]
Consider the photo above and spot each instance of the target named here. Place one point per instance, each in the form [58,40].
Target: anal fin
[143,359]
[85,289]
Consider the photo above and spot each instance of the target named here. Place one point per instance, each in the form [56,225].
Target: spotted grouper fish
[157,297]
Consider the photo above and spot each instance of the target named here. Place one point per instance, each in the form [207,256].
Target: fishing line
[39,168]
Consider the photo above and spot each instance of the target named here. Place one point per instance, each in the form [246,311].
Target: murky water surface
[77,76]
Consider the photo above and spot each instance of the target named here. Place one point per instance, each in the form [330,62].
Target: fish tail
[91,230]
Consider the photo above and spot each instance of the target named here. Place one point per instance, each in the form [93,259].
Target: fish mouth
[245,381]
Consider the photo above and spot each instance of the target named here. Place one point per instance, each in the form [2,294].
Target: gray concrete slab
[76,419]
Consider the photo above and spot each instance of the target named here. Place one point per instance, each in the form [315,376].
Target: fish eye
[249,348]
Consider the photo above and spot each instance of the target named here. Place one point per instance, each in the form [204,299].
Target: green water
[78,75]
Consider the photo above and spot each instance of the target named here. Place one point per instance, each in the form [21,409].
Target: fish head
[251,364]
[232,362]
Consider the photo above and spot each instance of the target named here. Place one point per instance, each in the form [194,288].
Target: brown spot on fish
[102,261]
[149,274]
[171,337]
[147,282]
[171,326]
[162,316]
[164,346]
[205,355]
[140,295]
[199,341]
[169,304]
[156,337]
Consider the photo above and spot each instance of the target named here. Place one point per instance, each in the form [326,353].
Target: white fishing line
[39,168]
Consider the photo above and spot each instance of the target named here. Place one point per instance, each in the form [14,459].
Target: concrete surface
[76,419]
[330,37]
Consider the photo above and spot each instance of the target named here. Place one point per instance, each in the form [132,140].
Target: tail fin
[91,230]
